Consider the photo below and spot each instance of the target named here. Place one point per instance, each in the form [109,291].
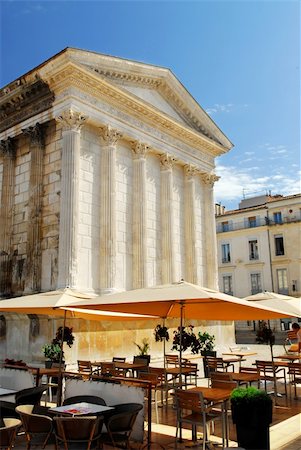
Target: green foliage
[144,347]
[206,341]
[161,333]
[189,339]
[53,350]
[249,395]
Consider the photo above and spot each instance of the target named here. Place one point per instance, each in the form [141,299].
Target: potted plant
[53,351]
[207,349]
[189,339]
[252,412]
[143,348]
[161,333]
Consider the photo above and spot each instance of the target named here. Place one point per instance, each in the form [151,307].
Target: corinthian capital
[71,120]
[167,161]
[36,134]
[190,170]
[139,149]
[110,135]
[8,148]
[209,178]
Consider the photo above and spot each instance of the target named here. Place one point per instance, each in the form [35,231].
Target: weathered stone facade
[107,174]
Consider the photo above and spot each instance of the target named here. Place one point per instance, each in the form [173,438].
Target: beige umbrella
[178,299]
[289,305]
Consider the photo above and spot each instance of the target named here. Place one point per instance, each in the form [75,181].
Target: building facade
[106,178]
[259,246]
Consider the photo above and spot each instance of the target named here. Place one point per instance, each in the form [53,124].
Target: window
[277,217]
[226,257]
[252,221]
[227,284]
[256,283]
[225,226]
[282,281]
[253,250]
[279,245]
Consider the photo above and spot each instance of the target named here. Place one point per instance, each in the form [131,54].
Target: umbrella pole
[60,378]
[181,331]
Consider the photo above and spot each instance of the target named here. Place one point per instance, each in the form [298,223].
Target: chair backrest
[160,373]
[224,376]
[118,359]
[123,418]
[224,384]
[77,429]
[8,432]
[214,363]
[172,360]
[190,365]
[33,423]
[149,376]
[294,369]
[30,396]
[245,369]
[192,401]
[84,366]
[108,369]
[84,398]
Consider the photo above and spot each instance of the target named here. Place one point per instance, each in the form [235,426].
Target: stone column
[190,225]
[8,151]
[139,215]
[35,201]
[210,232]
[109,138]
[68,238]
[167,222]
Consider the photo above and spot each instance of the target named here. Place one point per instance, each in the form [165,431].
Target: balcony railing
[259,222]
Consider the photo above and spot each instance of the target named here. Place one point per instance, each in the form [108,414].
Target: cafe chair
[84,368]
[8,432]
[153,378]
[172,360]
[290,343]
[52,382]
[38,428]
[217,408]
[294,372]
[270,372]
[118,359]
[119,425]
[28,396]
[164,385]
[77,432]
[250,370]
[108,369]
[223,376]
[192,377]
[200,414]
[84,398]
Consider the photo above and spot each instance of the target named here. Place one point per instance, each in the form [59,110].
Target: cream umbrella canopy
[176,299]
[289,305]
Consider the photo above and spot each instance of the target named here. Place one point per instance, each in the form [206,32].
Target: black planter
[207,353]
[252,425]
[48,364]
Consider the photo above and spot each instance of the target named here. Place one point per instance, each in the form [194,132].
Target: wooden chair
[294,372]
[192,377]
[290,343]
[108,369]
[200,414]
[216,364]
[270,372]
[223,376]
[8,432]
[84,368]
[172,360]
[118,359]
[153,378]
[250,370]
[79,431]
[37,427]
[164,385]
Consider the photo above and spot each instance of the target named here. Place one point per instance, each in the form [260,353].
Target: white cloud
[234,181]
[224,108]
[249,153]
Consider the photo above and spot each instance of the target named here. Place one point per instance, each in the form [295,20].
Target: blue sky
[239,59]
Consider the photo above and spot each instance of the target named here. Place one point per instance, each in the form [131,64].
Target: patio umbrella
[289,305]
[175,299]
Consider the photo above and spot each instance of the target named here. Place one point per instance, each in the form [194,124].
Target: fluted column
[167,222]
[139,215]
[210,232]
[35,199]
[8,151]
[68,238]
[190,225]
[109,137]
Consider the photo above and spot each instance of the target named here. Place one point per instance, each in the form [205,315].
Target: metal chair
[216,376]
[290,343]
[294,372]
[270,372]
[118,359]
[120,424]
[36,426]
[193,373]
[84,398]
[77,432]
[250,370]
[200,414]
[8,432]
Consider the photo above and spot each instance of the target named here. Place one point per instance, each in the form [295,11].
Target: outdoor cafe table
[290,358]
[241,377]
[38,372]
[80,409]
[121,365]
[216,395]
[241,355]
